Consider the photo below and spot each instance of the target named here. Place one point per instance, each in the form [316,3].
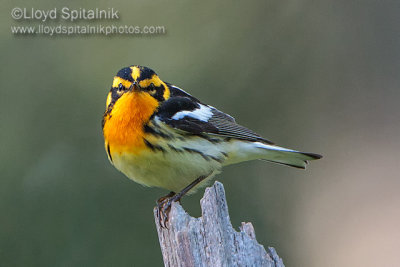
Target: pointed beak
[134,86]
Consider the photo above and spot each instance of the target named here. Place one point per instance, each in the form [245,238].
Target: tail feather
[286,156]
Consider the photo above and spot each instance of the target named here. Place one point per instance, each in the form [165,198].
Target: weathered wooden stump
[211,240]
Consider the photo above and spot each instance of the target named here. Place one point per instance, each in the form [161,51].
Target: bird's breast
[124,126]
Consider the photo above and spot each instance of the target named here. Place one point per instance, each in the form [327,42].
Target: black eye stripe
[152,87]
[159,92]
[115,95]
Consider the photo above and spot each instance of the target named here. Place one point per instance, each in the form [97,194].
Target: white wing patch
[203,113]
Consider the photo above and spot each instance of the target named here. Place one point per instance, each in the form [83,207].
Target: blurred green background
[318,76]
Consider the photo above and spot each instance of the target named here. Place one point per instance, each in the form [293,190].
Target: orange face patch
[123,129]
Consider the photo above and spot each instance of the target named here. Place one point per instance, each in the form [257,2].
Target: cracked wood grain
[211,240]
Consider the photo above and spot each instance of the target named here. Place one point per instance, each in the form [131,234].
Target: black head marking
[145,73]
[126,74]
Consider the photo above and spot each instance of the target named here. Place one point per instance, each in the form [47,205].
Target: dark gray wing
[228,127]
[186,113]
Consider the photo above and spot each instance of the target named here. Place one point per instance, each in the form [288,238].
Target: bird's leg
[161,202]
[164,203]
[161,199]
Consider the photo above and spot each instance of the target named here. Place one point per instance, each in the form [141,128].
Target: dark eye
[120,87]
[152,87]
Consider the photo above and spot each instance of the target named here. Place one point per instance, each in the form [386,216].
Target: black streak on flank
[210,139]
[153,147]
[103,121]
[109,152]
[196,152]
[150,130]
[206,157]
[175,149]
[126,74]
[216,159]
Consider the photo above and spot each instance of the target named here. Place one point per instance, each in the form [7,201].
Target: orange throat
[123,127]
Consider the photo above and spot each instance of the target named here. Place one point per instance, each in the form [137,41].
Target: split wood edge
[211,240]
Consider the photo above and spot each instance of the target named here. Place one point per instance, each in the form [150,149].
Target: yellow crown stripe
[135,73]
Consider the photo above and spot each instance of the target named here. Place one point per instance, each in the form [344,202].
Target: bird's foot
[164,206]
[164,203]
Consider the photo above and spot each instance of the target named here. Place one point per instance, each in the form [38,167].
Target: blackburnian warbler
[159,135]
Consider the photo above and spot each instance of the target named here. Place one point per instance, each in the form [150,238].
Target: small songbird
[159,135]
